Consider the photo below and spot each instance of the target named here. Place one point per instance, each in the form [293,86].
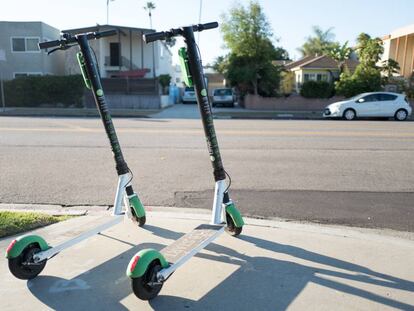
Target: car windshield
[222,92]
[189,89]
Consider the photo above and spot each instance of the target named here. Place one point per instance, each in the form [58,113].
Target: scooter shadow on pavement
[263,283]
[260,283]
[101,288]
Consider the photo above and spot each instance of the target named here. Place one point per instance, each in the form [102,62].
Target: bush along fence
[45,91]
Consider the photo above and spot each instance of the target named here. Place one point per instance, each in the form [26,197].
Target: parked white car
[375,104]
[223,97]
[189,96]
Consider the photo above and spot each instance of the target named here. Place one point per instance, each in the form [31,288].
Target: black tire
[401,115]
[140,285]
[23,267]
[349,114]
[231,228]
[141,221]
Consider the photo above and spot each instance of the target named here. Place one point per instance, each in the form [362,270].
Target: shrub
[316,89]
[164,80]
[51,91]
[364,79]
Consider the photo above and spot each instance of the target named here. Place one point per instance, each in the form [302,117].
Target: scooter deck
[189,244]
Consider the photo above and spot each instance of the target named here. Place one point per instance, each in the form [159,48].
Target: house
[399,46]
[124,54]
[316,68]
[20,54]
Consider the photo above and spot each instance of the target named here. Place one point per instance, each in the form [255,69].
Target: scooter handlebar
[155,36]
[201,27]
[106,33]
[68,39]
[50,44]
[162,35]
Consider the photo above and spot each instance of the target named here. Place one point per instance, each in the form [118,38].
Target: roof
[98,27]
[400,32]
[320,62]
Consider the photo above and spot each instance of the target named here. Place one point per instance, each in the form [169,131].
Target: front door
[114,53]
[367,105]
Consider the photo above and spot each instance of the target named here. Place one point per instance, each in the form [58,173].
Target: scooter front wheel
[141,220]
[147,286]
[231,227]
[23,266]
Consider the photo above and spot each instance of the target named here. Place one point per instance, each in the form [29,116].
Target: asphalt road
[355,173]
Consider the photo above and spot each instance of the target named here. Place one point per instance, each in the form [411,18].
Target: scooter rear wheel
[147,286]
[23,267]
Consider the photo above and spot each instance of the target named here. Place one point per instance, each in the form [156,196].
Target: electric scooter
[27,255]
[150,268]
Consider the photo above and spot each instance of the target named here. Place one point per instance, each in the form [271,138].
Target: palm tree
[317,44]
[390,67]
[340,53]
[149,7]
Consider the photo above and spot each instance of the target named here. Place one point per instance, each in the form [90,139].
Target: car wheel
[401,115]
[349,114]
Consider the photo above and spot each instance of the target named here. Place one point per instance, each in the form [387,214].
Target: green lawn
[16,222]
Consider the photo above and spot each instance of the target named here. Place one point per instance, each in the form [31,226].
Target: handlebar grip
[106,33]
[206,26]
[49,44]
[154,36]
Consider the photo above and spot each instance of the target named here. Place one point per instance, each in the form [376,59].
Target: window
[371,98]
[29,44]
[314,77]
[18,45]
[26,74]
[387,97]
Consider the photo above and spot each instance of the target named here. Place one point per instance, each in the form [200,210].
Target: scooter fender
[16,246]
[235,215]
[140,262]
[136,205]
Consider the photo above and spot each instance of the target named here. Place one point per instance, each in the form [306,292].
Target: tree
[340,53]
[367,75]
[247,34]
[389,67]
[369,50]
[319,43]
[149,6]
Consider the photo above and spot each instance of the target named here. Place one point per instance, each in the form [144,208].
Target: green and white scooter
[149,268]
[27,255]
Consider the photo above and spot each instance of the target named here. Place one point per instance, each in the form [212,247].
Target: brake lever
[61,47]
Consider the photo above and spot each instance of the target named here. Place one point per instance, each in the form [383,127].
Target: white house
[124,54]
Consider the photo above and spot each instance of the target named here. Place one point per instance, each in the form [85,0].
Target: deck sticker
[99,92]
[203,92]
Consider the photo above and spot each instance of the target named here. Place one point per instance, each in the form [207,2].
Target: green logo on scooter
[99,92]
[203,92]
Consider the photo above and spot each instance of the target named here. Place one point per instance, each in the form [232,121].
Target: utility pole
[199,21]
[107,11]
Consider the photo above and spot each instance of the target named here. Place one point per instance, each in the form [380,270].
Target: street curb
[182,213]
[76,112]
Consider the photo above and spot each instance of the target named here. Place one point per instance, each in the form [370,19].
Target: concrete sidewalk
[273,265]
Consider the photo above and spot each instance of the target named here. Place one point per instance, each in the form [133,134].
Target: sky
[291,21]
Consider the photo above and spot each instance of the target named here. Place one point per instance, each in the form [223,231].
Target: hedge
[45,91]
[316,89]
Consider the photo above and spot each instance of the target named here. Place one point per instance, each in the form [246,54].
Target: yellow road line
[275,133]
